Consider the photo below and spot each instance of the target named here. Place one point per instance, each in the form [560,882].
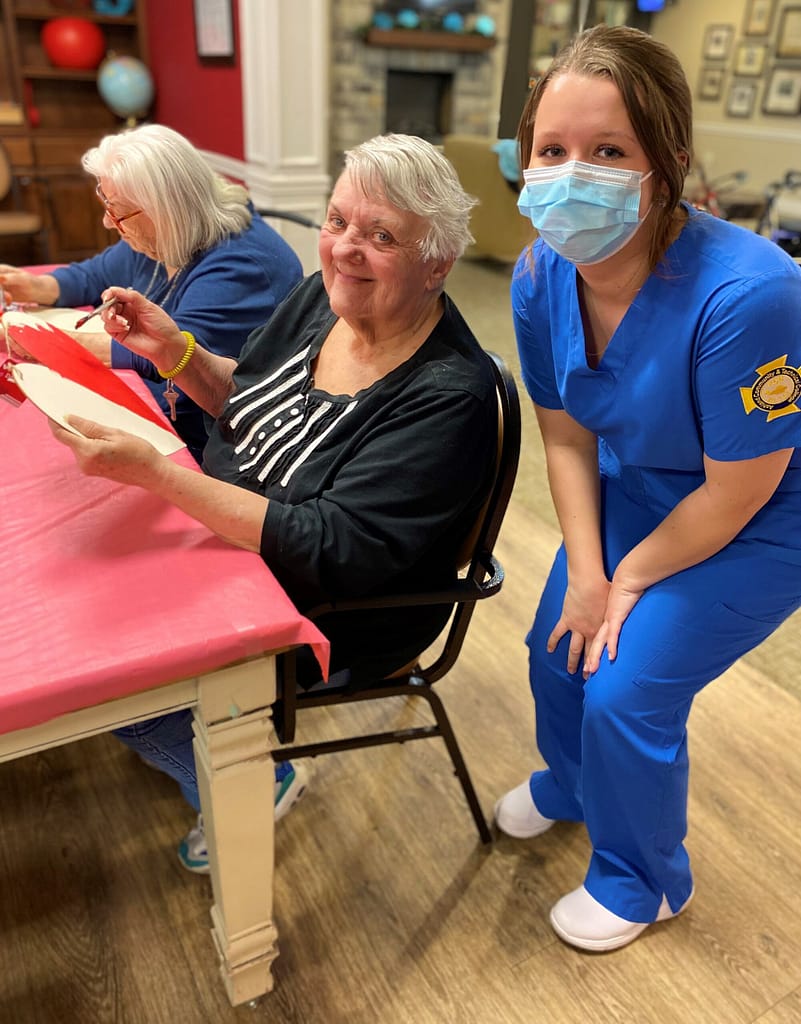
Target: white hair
[160,172]
[415,176]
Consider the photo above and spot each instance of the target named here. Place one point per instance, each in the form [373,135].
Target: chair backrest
[508,451]
[478,551]
[296,218]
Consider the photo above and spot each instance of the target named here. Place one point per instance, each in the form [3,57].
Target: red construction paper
[55,349]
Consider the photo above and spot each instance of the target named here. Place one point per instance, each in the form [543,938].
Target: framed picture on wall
[758,17]
[788,40]
[214,30]
[710,84]
[717,41]
[783,92]
[749,58]
[740,101]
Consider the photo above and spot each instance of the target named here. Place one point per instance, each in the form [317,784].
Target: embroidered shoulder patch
[775,390]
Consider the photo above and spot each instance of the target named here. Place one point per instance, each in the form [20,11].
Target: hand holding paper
[104,451]
[71,381]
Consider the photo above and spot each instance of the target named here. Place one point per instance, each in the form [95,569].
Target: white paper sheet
[58,397]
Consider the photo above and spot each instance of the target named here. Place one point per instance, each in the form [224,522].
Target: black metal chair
[296,218]
[481,577]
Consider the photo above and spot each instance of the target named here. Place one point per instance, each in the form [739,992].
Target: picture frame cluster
[767,54]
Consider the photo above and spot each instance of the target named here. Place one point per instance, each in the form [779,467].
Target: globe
[126,87]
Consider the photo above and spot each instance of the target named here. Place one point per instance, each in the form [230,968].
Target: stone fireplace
[424,91]
[419,103]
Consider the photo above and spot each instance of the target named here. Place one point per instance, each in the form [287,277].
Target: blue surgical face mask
[584,212]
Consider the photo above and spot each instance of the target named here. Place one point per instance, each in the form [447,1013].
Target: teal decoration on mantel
[484,25]
[114,7]
[453,22]
[408,19]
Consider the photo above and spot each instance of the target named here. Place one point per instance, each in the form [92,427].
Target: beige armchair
[500,231]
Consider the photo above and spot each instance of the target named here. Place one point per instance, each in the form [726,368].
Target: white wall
[285,100]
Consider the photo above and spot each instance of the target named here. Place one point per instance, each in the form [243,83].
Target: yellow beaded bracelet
[184,360]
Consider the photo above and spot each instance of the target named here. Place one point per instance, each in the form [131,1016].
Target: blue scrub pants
[616,745]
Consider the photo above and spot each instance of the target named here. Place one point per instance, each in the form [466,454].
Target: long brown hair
[657,99]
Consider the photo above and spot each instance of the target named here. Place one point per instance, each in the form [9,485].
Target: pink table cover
[106,590]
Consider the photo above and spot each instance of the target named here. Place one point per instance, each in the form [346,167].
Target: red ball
[73,43]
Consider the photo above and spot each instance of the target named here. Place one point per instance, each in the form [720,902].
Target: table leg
[236,780]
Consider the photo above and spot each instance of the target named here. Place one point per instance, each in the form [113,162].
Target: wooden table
[115,607]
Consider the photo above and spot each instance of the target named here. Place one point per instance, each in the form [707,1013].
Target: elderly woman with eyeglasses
[189,241]
[355,439]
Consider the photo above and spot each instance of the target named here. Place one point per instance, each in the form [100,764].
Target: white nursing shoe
[517,815]
[582,921]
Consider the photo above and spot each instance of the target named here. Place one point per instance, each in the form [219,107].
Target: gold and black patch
[775,391]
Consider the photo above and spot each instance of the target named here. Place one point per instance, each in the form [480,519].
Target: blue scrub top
[707,359]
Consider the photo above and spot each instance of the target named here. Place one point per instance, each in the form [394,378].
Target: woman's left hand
[110,453]
[699,526]
[619,604]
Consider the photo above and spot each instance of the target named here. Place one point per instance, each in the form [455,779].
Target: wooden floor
[389,909]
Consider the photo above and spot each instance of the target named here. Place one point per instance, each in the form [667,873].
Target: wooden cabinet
[59,115]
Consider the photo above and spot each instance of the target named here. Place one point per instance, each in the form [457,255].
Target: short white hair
[159,171]
[415,176]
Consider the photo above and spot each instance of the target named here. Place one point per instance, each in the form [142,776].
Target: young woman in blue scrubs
[662,350]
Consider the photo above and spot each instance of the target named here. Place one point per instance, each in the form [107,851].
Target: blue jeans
[166,742]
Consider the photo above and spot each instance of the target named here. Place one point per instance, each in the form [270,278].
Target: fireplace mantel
[418,39]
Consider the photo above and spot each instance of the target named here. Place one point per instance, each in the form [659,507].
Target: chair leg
[284,708]
[459,766]
[43,246]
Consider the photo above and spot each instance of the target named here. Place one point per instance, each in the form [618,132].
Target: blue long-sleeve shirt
[220,297]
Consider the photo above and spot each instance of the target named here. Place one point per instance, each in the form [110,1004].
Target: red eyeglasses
[116,221]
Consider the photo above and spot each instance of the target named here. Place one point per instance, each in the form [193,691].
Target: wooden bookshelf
[61,116]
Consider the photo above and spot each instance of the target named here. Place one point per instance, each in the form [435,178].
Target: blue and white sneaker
[192,852]
[291,779]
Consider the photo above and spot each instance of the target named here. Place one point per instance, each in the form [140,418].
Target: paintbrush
[103,305]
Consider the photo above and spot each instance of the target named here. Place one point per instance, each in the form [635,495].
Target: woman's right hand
[583,612]
[143,327]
